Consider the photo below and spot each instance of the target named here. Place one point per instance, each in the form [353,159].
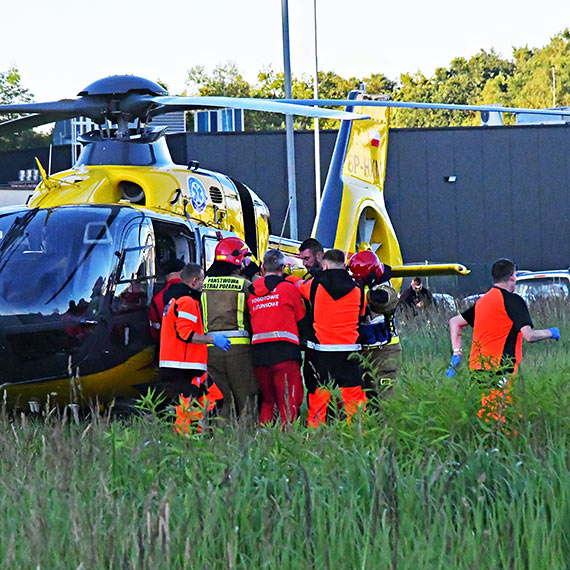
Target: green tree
[12,92]
[532,83]
[379,84]
[226,80]
[463,83]
[271,85]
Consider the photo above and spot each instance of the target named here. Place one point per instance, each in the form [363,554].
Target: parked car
[537,285]
[470,300]
[445,302]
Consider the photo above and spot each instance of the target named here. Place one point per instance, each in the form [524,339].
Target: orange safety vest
[181,321]
[335,321]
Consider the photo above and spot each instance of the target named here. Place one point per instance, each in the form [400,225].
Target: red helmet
[366,267]
[232,250]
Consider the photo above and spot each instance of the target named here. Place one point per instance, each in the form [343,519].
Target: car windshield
[543,287]
[56,261]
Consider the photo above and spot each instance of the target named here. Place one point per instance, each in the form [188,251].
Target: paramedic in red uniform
[337,304]
[500,320]
[183,344]
[275,307]
[172,269]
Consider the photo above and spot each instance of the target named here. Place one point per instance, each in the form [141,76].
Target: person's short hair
[189,271]
[312,244]
[502,270]
[417,280]
[172,265]
[273,261]
[335,256]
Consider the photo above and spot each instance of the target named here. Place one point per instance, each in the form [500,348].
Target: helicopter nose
[42,348]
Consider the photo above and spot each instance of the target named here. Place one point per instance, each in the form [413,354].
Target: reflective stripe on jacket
[333,347]
[181,321]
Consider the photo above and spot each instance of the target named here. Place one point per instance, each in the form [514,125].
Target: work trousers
[176,382]
[496,401]
[193,394]
[233,373]
[344,371]
[310,375]
[282,388]
[380,374]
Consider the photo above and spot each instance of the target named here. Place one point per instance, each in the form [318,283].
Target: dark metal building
[454,194]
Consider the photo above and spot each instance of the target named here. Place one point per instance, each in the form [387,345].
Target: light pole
[317,134]
[289,134]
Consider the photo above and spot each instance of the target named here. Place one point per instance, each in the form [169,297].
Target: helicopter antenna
[284,222]
[49,159]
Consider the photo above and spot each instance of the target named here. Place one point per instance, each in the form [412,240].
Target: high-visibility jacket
[497,319]
[156,309]
[181,321]
[224,307]
[275,306]
[337,303]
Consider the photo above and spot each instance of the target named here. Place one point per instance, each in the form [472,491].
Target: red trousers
[282,387]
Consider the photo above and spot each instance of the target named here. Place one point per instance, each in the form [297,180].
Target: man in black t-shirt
[500,320]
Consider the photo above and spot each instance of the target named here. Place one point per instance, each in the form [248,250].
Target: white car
[537,285]
[470,300]
[445,302]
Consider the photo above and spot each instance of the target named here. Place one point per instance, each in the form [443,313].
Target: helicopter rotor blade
[250,104]
[31,121]
[419,105]
[74,107]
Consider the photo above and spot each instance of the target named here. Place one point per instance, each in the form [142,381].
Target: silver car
[538,285]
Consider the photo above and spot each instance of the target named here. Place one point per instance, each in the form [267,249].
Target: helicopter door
[133,291]
[172,241]
[209,244]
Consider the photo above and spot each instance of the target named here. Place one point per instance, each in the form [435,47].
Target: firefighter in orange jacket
[276,307]
[183,344]
[337,303]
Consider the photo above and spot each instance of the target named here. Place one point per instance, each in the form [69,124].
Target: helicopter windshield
[56,261]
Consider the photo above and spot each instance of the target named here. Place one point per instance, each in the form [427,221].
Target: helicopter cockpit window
[52,263]
[134,286]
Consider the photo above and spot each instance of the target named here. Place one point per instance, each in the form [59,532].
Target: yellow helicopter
[79,263]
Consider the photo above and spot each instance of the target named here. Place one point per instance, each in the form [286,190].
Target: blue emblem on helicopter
[198,196]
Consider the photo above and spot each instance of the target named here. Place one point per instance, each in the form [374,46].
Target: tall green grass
[421,483]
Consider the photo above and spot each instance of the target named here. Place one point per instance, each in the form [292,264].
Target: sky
[61,46]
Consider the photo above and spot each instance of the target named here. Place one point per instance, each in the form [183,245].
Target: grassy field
[423,483]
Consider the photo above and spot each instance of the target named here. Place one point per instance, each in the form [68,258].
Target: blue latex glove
[453,364]
[555,332]
[221,341]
